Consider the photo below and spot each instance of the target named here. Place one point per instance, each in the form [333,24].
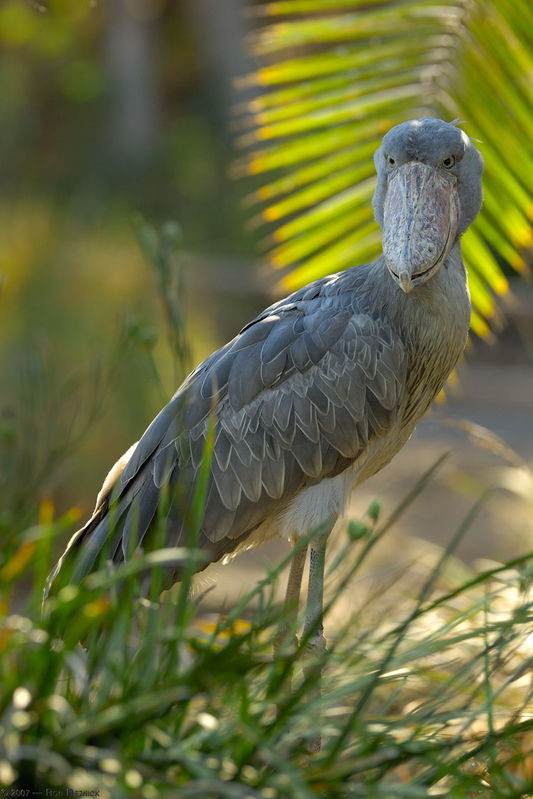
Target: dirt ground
[487,428]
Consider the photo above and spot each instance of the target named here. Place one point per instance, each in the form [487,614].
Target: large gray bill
[419,222]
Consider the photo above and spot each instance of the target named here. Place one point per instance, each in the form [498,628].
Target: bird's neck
[440,307]
[433,321]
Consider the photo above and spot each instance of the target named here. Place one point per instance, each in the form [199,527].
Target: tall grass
[431,698]
[425,692]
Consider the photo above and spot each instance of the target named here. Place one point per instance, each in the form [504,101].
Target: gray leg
[315,596]
[292,597]
[313,615]
[313,625]
[294,582]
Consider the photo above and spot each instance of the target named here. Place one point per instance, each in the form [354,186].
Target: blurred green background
[107,111]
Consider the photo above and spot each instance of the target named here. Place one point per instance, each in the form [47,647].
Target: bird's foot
[316,645]
[285,642]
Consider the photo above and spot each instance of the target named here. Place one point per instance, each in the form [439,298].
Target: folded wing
[296,397]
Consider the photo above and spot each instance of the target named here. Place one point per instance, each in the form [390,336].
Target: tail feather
[114,532]
[139,518]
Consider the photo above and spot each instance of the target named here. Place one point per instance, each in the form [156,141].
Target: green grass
[423,695]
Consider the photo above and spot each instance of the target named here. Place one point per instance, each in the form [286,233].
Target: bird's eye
[448,162]
[390,160]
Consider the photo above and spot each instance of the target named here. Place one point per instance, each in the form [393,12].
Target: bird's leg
[292,597]
[313,625]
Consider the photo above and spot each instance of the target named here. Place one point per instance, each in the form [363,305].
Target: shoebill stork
[318,392]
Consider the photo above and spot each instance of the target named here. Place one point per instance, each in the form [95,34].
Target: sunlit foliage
[334,75]
[427,689]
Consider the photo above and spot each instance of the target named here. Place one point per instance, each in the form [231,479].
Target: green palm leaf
[335,75]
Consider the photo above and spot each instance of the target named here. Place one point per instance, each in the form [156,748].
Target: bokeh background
[109,111]
[120,111]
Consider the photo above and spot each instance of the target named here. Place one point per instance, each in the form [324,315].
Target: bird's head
[428,193]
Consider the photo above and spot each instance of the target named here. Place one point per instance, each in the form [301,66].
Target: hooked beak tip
[405,281]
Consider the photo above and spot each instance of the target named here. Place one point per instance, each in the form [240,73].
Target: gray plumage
[321,389]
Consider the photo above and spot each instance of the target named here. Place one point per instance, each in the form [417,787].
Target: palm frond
[335,75]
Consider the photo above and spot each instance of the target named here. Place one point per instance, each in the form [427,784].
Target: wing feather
[298,396]
[273,476]
[299,353]
[249,478]
[283,410]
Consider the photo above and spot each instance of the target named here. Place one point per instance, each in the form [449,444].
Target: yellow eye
[448,162]
[390,160]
